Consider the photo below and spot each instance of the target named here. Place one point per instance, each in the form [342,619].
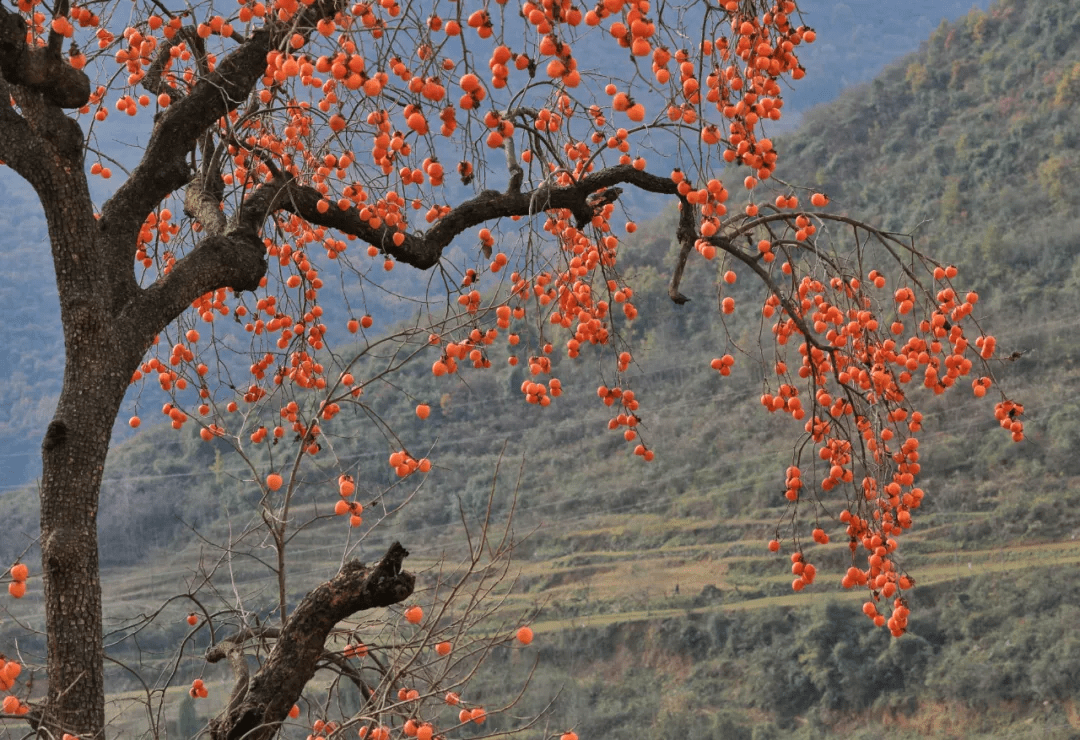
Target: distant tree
[282,133]
[187,720]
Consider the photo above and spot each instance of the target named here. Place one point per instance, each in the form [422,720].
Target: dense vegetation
[972,144]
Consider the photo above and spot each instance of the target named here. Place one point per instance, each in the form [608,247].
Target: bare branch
[348,671]
[687,236]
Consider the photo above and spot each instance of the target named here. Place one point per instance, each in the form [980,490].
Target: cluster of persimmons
[855,371]
[308,139]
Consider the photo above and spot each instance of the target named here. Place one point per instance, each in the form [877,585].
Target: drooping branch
[300,644]
[42,70]
[687,237]
[424,250]
[785,300]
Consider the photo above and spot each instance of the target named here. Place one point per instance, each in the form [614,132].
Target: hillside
[972,144]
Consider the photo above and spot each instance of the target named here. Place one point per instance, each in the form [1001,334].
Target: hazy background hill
[856,39]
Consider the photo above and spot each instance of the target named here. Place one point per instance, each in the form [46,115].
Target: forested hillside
[973,145]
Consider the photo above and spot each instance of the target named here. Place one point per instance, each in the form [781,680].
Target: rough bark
[42,70]
[45,147]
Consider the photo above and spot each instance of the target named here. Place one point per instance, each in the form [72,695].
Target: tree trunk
[100,358]
[73,457]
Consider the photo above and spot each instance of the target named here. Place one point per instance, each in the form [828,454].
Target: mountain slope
[851,148]
[971,143]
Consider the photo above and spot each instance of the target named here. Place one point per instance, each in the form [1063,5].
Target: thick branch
[42,70]
[19,147]
[424,250]
[517,175]
[235,259]
[164,167]
[201,200]
[292,662]
[56,40]
[238,663]
[233,648]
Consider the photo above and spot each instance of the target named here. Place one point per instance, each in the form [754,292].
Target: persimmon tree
[298,143]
